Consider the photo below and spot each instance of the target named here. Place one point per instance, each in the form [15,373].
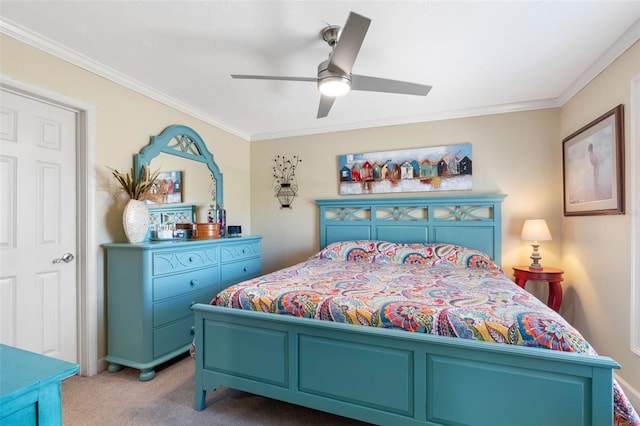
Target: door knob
[66,258]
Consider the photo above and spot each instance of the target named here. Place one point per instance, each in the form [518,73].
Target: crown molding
[42,43]
[421,118]
[624,42]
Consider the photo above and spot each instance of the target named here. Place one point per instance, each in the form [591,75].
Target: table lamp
[535,230]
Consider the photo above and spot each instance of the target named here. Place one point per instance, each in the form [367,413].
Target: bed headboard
[473,221]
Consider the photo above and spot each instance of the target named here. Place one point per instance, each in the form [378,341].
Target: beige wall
[516,154]
[125,120]
[596,251]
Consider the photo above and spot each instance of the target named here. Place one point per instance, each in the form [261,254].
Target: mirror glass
[197,181]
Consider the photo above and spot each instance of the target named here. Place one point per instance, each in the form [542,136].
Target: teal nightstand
[30,390]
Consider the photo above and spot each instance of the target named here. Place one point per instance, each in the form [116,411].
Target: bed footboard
[397,377]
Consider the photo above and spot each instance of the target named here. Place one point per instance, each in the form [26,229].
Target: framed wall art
[169,184]
[593,167]
[442,168]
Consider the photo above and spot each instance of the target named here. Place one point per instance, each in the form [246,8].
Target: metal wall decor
[285,184]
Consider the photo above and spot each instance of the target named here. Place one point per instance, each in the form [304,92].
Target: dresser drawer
[240,271]
[183,260]
[172,336]
[179,307]
[174,285]
[24,415]
[239,251]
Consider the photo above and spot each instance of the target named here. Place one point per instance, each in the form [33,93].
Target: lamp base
[535,257]
[535,266]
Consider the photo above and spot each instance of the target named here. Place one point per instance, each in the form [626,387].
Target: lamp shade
[535,230]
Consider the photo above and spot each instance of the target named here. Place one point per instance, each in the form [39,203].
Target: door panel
[37,226]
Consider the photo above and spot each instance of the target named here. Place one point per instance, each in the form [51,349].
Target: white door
[38,226]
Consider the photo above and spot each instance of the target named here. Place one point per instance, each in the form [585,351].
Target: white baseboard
[632,394]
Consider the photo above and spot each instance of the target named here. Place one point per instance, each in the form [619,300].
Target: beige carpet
[121,399]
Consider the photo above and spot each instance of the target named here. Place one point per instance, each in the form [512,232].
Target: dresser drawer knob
[194,282]
[190,258]
[244,269]
[193,331]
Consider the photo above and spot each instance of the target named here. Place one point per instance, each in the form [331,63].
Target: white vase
[135,220]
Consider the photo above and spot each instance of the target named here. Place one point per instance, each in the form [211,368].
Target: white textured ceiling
[480,57]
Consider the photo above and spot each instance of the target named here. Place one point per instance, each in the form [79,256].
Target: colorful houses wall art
[442,168]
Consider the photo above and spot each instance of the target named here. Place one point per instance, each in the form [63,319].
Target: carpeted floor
[121,399]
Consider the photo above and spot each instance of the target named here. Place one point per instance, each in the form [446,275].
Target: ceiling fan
[334,75]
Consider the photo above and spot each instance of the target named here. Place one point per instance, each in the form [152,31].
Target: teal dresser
[30,391]
[151,287]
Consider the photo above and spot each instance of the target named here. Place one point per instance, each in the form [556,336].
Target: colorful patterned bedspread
[438,289]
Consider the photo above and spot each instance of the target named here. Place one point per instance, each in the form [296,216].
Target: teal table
[30,387]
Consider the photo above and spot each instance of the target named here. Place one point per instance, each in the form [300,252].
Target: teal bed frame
[394,377]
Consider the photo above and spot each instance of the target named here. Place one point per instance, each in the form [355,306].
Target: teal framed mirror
[181,141]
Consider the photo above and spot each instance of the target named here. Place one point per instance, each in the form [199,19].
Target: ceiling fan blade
[326,102]
[349,43]
[271,77]
[375,84]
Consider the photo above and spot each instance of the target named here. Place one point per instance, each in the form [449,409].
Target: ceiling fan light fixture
[334,86]
[335,76]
